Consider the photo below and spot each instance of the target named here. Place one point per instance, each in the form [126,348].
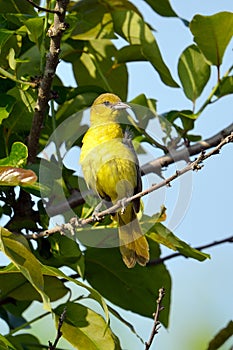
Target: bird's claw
[96,217]
[123,204]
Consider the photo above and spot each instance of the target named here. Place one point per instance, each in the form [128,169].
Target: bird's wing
[127,140]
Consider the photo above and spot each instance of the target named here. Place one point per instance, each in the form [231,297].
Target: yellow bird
[110,168]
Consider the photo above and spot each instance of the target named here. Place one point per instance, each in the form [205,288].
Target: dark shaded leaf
[95,67]
[24,341]
[106,272]
[163,8]
[5,344]
[162,235]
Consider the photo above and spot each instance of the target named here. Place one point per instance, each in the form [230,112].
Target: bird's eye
[107,103]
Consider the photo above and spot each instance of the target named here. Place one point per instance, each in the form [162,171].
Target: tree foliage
[87,43]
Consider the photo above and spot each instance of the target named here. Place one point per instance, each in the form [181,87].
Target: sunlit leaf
[5,344]
[194,72]
[85,329]
[212,34]
[35,27]
[16,249]
[24,341]
[95,67]
[132,28]
[15,285]
[18,155]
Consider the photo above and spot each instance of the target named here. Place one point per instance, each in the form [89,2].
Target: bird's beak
[120,105]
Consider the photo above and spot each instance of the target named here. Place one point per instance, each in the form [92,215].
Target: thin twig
[154,166]
[59,332]
[42,8]
[44,91]
[75,223]
[156,325]
[200,248]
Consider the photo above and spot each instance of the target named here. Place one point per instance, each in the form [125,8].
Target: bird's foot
[95,214]
[123,204]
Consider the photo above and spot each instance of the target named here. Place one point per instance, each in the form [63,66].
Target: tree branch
[75,223]
[44,91]
[154,166]
[200,248]
[59,332]
[156,326]
[42,8]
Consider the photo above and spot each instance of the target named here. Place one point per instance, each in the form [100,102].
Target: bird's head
[106,108]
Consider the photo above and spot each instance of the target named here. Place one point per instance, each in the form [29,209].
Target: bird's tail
[133,245]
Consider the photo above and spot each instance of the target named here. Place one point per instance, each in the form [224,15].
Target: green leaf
[5,35]
[194,72]
[212,34]
[222,336]
[24,342]
[16,249]
[94,294]
[15,285]
[58,250]
[30,63]
[163,8]
[106,272]
[35,27]
[162,235]
[132,28]
[16,6]
[225,87]
[20,118]
[12,320]
[95,67]
[130,53]
[85,329]
[5,344]
[94,23]
[18,155]
[6,105]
